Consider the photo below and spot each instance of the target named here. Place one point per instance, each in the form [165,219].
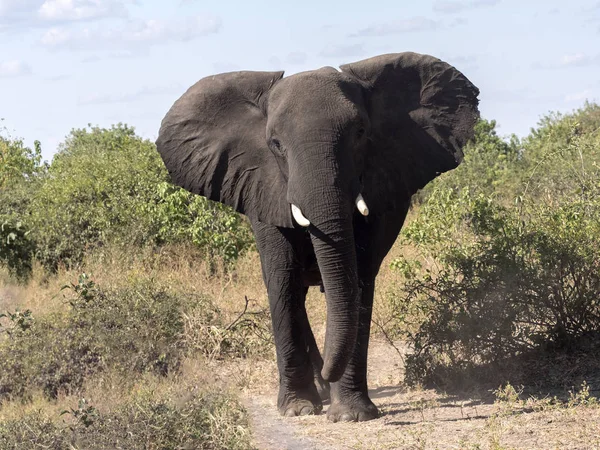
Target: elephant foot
[357,409]
[292,403]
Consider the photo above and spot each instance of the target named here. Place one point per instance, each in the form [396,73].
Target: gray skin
[382,127]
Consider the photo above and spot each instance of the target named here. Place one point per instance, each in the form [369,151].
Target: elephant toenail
[306,411]
[347,417]
[290,413]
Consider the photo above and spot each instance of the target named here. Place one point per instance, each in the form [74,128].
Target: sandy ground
[426,419]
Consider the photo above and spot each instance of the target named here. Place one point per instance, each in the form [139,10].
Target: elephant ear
[422,112]
[213,143]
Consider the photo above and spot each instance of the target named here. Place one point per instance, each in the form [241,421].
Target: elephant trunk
[333,240]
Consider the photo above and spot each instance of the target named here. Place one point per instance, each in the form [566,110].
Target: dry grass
[412,418]
[114,396]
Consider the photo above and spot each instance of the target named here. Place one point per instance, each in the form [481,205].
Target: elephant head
[313,148]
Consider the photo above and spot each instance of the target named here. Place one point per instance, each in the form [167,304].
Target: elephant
[324,164]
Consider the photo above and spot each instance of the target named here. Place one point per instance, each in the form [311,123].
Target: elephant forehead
[321,93]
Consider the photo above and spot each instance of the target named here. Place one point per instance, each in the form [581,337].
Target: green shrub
[16,249]
[560,155]
[496,280]
[180,216]
[488,165]
[19,163]
[20,171]
[95,192]
[110,187]
[199,421]
[523,282]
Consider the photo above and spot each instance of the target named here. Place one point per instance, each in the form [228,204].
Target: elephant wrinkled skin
[324,164]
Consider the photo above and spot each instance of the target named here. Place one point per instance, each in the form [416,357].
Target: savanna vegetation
[130,309]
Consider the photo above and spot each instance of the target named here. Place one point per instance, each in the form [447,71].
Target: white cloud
[461,62]
[401,26]
[23,14]
[9,69]
[291,59]
[74,10]
[575,59]
[117,54]
[570,60]
[341,51]
[453,6]
[97,99]
[295,58]
[221,67]
[150,32]
[159,31]
[14,6]
[578,96]
[55,37]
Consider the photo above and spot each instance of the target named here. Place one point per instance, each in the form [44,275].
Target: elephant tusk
[361,205]
[299,217]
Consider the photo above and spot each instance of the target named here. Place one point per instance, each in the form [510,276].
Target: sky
[65,64]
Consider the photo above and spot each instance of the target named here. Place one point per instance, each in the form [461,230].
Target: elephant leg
[282,274]
[349,396]
[315,358]
[374,238]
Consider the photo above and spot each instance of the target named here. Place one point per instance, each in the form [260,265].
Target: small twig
[225,288]
[234,323]
[389,339]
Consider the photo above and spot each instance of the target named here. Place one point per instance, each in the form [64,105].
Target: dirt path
[426,419]
[272,432]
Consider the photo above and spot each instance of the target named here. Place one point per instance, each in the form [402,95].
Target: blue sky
[67,63]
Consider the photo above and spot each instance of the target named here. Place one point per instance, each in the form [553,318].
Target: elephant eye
[360,132]
[276,146]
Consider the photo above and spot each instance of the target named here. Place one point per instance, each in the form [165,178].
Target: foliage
[561,154]
[133,329]
[17,162]
[95,193]
[180,216]
[488,164]
[16,249]
[200,421]
[109,186]
[137,328]
[20,168]
[496,280]
[104,187]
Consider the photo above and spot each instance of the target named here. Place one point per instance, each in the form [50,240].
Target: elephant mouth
[301,220]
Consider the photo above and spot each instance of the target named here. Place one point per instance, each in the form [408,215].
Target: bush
[496,281]
[488,165]
[20,169]
[137,328]
[180,216]
[16,249]
[200,421]
[132,329]
[525,282]
[109,186]
[19,163]
[96,190]
[104,187]
[560,155]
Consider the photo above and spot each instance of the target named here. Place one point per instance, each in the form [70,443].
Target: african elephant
[324,164]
